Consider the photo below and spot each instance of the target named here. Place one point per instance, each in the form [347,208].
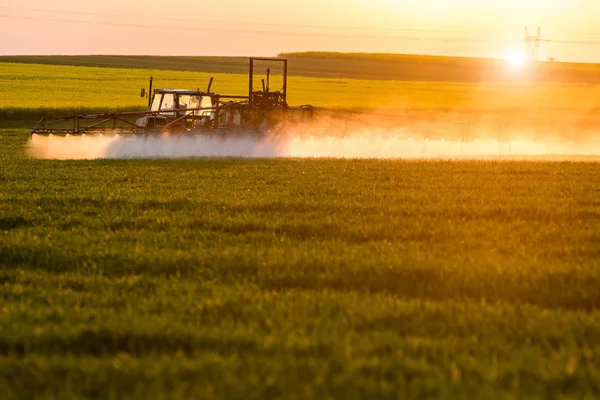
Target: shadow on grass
[10,223]
[106,342]
[562,290]
[530,284]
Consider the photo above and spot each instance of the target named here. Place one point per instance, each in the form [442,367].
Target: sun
[516,61]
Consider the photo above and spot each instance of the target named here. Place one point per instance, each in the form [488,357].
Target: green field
[229,278]
[298,278]
[30,91]
[350,66]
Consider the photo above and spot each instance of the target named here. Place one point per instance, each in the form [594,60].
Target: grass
[230,278]
[403,67]
[290,278]
[30,91]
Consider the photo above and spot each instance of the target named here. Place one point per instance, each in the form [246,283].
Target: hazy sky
[483,28]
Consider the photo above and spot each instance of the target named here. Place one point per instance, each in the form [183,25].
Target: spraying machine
[262,111]
[183,111]
[266,114]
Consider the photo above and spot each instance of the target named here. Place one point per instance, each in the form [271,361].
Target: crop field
[228,278]
[350,66]
[220,278]
[30,91]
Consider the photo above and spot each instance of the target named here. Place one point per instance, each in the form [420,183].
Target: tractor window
[184,102]
[168,102]
[156,102]
[206,103]
[194,102]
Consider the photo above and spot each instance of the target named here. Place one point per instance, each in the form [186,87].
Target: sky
[475,28]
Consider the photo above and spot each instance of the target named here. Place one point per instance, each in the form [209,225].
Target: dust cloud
[401,146]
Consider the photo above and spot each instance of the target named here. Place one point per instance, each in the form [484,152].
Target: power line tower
[532,42]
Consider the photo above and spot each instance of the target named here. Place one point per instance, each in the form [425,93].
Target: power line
[334,27]
[247,31]
[590,42]
[280,33]
[240,22]
[578,33]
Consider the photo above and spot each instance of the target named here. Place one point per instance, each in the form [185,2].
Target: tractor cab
[171,106]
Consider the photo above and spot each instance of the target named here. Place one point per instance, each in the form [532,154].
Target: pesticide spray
[364,145]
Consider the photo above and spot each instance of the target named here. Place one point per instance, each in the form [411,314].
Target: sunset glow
[516,61]
[268,27]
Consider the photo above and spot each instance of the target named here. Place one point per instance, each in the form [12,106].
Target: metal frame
[266,98]
[260,110]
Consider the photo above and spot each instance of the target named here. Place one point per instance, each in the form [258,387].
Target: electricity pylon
[532,42]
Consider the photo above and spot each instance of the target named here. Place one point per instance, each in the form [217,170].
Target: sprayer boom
[262,110]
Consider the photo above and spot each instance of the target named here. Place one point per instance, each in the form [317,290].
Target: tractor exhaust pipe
[150,94]
[268,79]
